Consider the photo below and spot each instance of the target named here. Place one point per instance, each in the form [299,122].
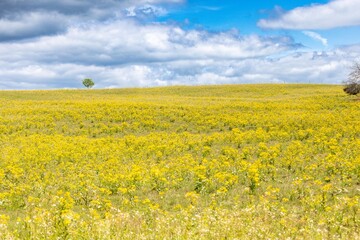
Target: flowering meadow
[204,162]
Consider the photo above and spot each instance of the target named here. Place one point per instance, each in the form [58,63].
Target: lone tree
[89,83]
[352,85]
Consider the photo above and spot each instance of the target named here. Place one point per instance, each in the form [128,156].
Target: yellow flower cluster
[215,162]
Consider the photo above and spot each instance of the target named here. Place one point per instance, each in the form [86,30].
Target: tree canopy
[352,85]
[89,83]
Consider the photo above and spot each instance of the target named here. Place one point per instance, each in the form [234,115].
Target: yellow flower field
[207,162]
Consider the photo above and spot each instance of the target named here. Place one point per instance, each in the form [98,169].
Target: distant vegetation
[89,83]
[209,162]
[352,85]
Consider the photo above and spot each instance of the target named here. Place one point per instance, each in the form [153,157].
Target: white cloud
[124,52]
[302,67]
[127,42]
[27,19]
[145,11]
[336,13]
[32,24]
[316,37]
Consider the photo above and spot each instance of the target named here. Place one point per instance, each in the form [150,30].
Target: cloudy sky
[46,44]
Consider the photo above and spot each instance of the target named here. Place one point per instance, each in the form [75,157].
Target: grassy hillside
[207,162]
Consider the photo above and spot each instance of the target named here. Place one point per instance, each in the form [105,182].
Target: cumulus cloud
[62,45]
[294,68]
[22,19]
[128,53]
[31,25]
[316,37]
[71,6]
[336,13]
[145,11]
[128,42]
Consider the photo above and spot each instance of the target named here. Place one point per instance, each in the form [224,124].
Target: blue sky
[140,43]
[225,14]
[215,15]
